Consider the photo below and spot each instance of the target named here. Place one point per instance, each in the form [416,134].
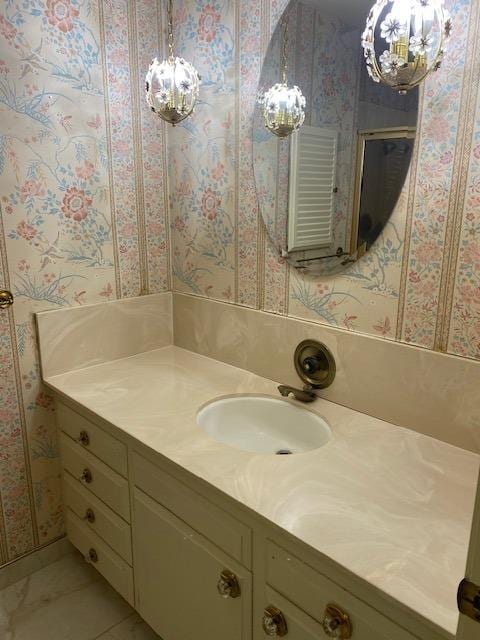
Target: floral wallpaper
[85,182]
[83,211]
[420,284]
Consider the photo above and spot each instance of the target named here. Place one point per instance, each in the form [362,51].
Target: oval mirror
[326,192]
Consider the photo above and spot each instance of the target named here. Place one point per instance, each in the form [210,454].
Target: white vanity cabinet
[196,565]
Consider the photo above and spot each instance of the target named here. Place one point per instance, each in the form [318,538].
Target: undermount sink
[264,425]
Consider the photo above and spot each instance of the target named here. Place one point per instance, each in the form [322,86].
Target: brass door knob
[84,438]
[274,623]
[228,585]
[6,299]
[336,623]
[86,476]
[92,556]
[89,516]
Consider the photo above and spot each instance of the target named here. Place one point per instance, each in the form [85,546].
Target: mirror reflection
[327,190]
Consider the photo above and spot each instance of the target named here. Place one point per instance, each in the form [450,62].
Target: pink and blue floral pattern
[16,530]
[464,334]
[428,243]
[83,212]
[203,154]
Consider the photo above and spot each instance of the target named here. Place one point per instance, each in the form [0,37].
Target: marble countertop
[392,506]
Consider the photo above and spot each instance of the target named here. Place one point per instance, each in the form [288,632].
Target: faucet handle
[311,365]
[314,364]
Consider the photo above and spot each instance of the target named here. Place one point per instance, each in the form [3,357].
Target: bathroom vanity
[364,537]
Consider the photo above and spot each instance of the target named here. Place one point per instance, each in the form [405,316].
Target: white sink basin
[264,425]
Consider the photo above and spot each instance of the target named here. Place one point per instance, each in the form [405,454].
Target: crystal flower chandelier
[405,40]
[283,106]
[172,86]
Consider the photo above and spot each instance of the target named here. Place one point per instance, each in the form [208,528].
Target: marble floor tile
[67,600]
[134,628]
[35,561]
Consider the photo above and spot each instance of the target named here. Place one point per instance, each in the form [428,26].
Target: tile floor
[68,600]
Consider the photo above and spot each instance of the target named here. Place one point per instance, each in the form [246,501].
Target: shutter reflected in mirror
[312,188]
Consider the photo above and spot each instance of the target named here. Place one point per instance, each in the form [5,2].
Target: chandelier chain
[170,28]
[285,52]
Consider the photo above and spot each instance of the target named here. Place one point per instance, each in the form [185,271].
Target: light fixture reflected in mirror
[172,86]
[283,106]
[328,194]
[404,41]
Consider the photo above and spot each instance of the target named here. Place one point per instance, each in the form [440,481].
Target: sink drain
[284,452]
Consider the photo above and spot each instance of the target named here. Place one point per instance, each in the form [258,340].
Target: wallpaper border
[469,99]
[6,530]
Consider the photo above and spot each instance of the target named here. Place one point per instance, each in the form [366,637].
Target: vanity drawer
[105,483]
[312,592]
[104,446]
[98,517]
[299,625]
[217,525]
[109,564]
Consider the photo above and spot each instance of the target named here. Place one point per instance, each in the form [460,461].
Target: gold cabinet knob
[89,516]
[6,299]
[84,438]
[336,623]
[274,623]
[86,476]
[228,585]
[92,556]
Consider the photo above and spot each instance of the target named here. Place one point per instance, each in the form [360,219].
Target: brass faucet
[315,366]
[305,395]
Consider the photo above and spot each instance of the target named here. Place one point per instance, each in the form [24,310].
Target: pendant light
[172,86]
[405,40]
[283,106]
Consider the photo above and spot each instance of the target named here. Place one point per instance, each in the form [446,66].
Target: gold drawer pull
[84,438]
[92,556]
[6,299]
[336,623]
[89,516]
[228,585]
[86,476]
[274,623]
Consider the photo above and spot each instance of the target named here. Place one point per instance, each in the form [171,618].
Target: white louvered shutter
[313,161]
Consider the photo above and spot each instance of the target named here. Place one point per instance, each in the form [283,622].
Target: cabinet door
[176,575]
